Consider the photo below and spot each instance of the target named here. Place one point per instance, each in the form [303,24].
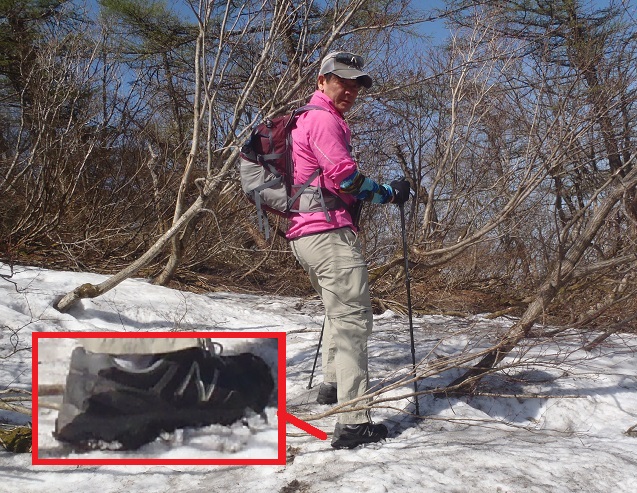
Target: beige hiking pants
[146,345]
[338,273]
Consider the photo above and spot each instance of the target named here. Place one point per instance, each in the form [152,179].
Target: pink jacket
[321,139]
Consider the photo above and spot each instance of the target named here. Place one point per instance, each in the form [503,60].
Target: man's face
[342,92]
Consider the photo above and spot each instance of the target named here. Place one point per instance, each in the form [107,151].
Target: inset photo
[158,398]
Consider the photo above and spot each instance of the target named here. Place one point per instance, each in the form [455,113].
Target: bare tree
[284,41]
[591,179]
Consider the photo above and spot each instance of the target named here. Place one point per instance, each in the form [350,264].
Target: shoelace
[213,348]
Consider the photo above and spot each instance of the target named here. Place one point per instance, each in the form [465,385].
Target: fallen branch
[374,398]
[49,405]
[15,408]
[51,389]
[528,396]
[8,398]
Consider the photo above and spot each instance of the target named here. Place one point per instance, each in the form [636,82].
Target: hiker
[129,390]
[329,250]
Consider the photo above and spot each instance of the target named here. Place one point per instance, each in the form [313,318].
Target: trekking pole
[309,385]
[408,286]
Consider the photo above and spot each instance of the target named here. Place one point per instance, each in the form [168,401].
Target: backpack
[266,171]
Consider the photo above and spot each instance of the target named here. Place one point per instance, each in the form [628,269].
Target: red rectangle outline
[281,364]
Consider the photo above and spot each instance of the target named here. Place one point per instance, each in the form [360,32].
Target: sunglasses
[350,59]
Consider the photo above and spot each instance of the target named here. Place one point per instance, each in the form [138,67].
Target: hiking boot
[104,400]
[350,436]
[327,394]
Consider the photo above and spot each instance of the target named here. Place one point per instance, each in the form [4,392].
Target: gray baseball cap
[347,66]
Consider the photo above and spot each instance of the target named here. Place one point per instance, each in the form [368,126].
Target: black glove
[401,190]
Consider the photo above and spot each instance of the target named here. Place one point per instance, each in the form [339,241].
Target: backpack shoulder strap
[299,111]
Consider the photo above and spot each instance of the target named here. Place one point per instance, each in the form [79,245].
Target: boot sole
[133,431]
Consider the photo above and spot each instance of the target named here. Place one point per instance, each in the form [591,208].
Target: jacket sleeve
[329,140]
[364,188]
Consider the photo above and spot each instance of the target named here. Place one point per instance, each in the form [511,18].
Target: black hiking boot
[350,436]
[327,394]
[188,388]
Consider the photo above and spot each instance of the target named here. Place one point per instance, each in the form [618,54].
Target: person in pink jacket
[326,244]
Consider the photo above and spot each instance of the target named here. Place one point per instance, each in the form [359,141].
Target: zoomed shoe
[327,394]
[192,387]
[350,436]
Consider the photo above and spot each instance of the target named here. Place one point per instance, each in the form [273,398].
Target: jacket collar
[320,99]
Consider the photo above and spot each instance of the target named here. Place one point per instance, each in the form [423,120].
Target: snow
[561,425]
